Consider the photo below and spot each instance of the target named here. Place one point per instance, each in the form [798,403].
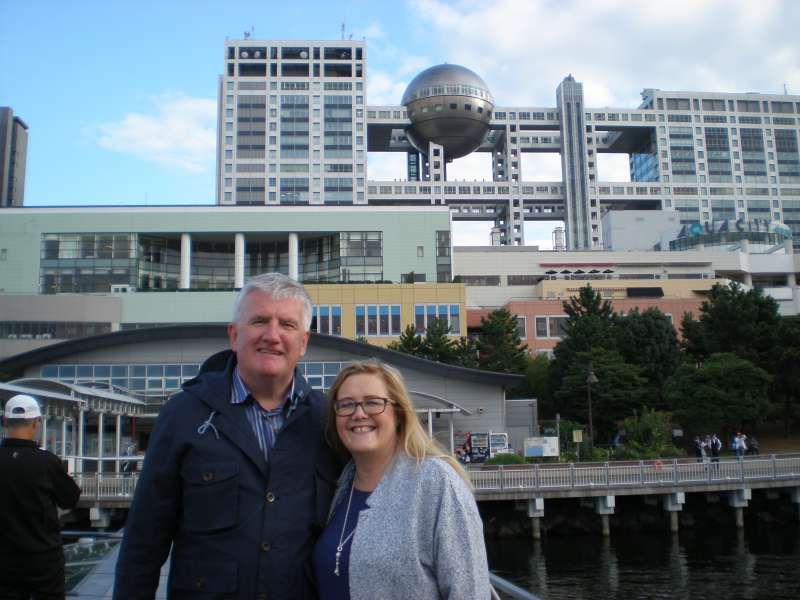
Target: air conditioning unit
[120,289]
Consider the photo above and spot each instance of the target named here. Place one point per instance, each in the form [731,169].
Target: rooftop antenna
[785,90]
[248,34]
[343,27]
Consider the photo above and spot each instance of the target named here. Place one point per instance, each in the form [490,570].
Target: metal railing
[549,476]
[666,472]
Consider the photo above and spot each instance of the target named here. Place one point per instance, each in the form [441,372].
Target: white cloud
[180,132]
[523,48]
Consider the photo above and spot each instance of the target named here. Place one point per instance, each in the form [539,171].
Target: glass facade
[320,259]
[163,379]
[361,255]
[86,262]
[294,130]
[444,273]
[339,128]
[719,155]
[51,330]
[681,150]
[212,265]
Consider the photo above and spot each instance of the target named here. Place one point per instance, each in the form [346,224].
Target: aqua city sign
[739,225]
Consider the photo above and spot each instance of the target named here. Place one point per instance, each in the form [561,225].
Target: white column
[119,441]
[430,423]
[100,423]
[43,445]
[452,443]
[238,261]
[64,436]
[186,261]
[294,257]
[79,447]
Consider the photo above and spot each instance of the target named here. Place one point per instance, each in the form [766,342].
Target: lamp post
[591,378]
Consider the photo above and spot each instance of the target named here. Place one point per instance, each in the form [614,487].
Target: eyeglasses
[371,406]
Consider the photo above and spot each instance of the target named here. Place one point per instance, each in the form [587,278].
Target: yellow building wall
[406,295]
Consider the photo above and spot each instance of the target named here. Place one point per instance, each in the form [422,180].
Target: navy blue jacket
[239,527]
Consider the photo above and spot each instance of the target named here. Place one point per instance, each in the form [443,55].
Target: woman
[403,523]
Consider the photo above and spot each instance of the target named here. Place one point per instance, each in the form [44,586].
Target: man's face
[269,338]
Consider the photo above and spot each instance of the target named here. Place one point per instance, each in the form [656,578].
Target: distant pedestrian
[715,447]
[699,451]
[739,445]
[753,446]
[32,483]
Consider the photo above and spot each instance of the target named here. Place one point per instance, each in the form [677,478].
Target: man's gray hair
[279,287]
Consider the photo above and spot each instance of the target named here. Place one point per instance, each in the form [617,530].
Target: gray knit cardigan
[420,536]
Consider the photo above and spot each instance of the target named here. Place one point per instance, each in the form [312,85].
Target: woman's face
[366,435]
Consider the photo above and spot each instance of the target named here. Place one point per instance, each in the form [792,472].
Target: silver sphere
[448,105]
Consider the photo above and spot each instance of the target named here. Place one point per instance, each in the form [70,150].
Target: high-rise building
[293,129]
[13,153]
[292,123]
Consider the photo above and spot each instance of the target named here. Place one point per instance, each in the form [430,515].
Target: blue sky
[120,96]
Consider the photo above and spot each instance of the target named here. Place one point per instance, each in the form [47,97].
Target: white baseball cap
[22,407]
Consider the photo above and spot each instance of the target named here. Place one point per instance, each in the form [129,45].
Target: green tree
[648,435]
[588,324]
[499,345]
[587,303]
[785,363]
[409,342]
[436,345]
[465,352]
[744,322]
[724,393]
[648,339]
[537,380]
[620,389]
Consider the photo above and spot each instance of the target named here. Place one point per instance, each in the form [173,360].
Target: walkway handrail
[509,589]
[632,474]
[114,486]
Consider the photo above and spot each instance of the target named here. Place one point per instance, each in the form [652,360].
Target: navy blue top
[331,586]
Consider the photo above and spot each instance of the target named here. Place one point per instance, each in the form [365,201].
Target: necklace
[343,540]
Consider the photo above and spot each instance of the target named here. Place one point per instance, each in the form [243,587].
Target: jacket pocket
[204,579]
[210,495]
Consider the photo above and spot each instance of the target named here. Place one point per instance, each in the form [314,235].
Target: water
[758,563]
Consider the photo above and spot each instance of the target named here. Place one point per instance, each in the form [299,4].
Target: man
[237,477]
[32,483]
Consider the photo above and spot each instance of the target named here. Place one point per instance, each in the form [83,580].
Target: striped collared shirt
[265,423]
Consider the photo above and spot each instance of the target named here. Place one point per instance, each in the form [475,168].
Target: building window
[521,327]
[327,319]
[424,314]
[377,319]
[550,327]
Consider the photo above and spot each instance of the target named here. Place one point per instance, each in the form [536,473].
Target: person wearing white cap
[32,483]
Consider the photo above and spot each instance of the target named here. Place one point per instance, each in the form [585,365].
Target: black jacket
[239,527]
[32,483]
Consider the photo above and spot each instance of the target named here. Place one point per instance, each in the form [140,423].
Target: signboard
[577,435]
[725,225]
[541,446]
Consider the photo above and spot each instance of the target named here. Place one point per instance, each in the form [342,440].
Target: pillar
[604,506]
[673,504]
[238,261]
[43,445]
[294,257]
[430,423]
[64,436]
[452,443]
[118,429]
[437,171]
[186,262]
[738,500]
[100,424]
[79,447]
[536,513]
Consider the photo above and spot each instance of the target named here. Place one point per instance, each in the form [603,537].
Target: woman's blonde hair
[412,438]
